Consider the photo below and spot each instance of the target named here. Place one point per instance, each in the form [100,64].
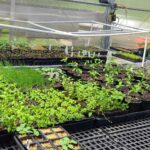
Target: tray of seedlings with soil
[21,52]
[124,134]
[45,97]
[127,87]
[128,56]
[8,141]
[54,138]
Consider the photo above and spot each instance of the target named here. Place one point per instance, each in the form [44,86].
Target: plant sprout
[67,143]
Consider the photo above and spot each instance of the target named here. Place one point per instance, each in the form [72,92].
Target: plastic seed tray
[101,144]
[96,139]
[134,135]
[93,133]
[137,139]
[129,135]
[49,139]
[8,141]
[127,126]
[47,61]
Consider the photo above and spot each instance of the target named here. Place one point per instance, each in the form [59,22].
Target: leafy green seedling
[67,144]
[93,73]
[77,70]
[23,129]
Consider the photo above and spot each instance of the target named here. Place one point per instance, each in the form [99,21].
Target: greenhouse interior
[74,75]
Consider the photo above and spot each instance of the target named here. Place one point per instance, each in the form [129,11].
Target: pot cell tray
[134,135]
[96,139]
[8,141]
[127,126]
[49,139]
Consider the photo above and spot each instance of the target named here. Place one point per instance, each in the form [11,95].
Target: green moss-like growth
[129,55]
[22,77]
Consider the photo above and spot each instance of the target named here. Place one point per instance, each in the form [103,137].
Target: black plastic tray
[125,132]
[48,136]
[48,61]
[8,141]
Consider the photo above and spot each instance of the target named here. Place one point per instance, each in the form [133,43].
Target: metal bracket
[110,10]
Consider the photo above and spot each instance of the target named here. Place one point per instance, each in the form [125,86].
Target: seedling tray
[8,141]
[49,139]
[128,59]
[131,132]
[47,61]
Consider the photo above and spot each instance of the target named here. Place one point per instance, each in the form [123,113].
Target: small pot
[135,106]
[146,104]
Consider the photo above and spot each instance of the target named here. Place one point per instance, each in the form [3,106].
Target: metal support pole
[89,39]
[12,16]
[145,49]
[109,9]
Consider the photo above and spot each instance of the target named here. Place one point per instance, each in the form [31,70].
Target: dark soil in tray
[47,61]
[44,56]
[49,139]
[44,52]
[8,141]
[19,54]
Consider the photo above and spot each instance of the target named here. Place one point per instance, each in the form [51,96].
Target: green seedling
[67,143]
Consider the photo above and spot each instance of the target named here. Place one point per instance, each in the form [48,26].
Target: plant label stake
[72,48]
[89,54]
[49,47]
[66,50]
[94,54]
[79,53]
[98,54]
[72,54]
[84,52]
[28,144]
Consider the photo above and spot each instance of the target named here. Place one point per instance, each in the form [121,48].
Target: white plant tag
[50,47]
[66,50]
[89,54]
[79,53]
[72,54]
[94,54]
[72,48]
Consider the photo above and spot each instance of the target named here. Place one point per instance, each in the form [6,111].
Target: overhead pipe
[145,49]
[37,30]
[105,5]
[73,34]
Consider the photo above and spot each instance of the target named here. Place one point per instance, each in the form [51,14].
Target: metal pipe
[89,39]
[73,34]
[133,28]
[13,20]
[109,34]
[36,30]
[87,3]
[132,8]
[100,31]
[105,5]
[121,26]
[43,22]
[49,29]
[90,21]
[12,15]
[65,21]
[145,49]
